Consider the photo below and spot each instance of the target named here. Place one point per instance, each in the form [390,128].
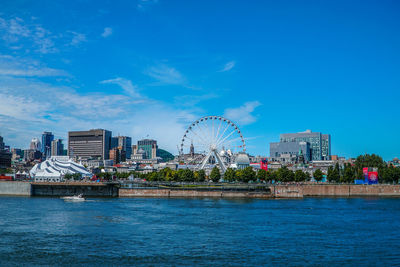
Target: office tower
[57,147]
[94,143]
[149,146]
[313,146]
[47,138]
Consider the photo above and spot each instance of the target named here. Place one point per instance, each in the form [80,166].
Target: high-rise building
[289,151]
[114,142]
[17,153]
[57,147]
[149,146]
[89,144]
[318,145]
[35,144]
[47,138]
[1,143]
[124,143]
[114,155]
[326,147]
[5,156]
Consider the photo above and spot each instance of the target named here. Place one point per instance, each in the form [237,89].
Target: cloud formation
[243,114]
[228,66]
[15,30]
[108,31]
[11,66]
[31,107]
[77,38]
[166,75]
[125,84]
[143,4]
[18,34]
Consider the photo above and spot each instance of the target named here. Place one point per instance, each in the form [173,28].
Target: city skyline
[152,67]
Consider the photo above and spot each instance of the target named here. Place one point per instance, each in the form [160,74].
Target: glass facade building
[318,145]
[47,138]
[149,146]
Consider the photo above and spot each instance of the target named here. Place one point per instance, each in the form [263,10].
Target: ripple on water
[200,232]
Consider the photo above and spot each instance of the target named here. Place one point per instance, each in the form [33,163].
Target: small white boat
[77,198]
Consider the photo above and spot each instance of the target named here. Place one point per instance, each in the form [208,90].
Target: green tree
[230,175]
[348,173]
[200,176]
[318,175]
[152,176]
[333,175]
[249,174]
[369,161]
[389,175]
[262,175]
[285,175]
[270,176]
[300,176]
[188,175]
[215,175]
[239,175]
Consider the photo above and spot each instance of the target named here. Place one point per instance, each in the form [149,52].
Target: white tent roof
[57,166]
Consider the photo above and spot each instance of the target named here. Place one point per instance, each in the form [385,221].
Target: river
[202,232]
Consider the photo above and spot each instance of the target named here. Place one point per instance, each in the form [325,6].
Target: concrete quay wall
[277,191]
[327,190]
[12,188]
[71,189]
[190,193]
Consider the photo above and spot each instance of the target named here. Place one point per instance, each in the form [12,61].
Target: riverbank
[225,191]
[273,191]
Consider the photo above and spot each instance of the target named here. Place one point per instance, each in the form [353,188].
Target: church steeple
[192,149]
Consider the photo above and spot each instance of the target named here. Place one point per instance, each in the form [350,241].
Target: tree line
[245,175]
[336,174]
[347,174]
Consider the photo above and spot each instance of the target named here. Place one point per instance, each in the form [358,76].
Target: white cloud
[77,38]
[143,4]
[166,74]
[243,114]
[228,66]
[107,32]
[12,66]
[33,107]
[16,30]
[125,84]
[18,34]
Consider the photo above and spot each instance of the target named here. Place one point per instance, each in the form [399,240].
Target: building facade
[5,156]
[94,144]
[149,146]
[123,142]
[1,143]
[35,144]
[326,146]
[290,151]
[47,138]
[57,147]
[313,146]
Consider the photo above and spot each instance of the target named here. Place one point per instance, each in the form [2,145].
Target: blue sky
[143,68]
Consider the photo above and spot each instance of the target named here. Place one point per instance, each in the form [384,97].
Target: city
[95,155]
[199,133]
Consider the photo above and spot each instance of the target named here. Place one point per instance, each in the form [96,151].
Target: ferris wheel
[213,137]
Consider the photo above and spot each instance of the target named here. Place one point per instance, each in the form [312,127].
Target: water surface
[201,232]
